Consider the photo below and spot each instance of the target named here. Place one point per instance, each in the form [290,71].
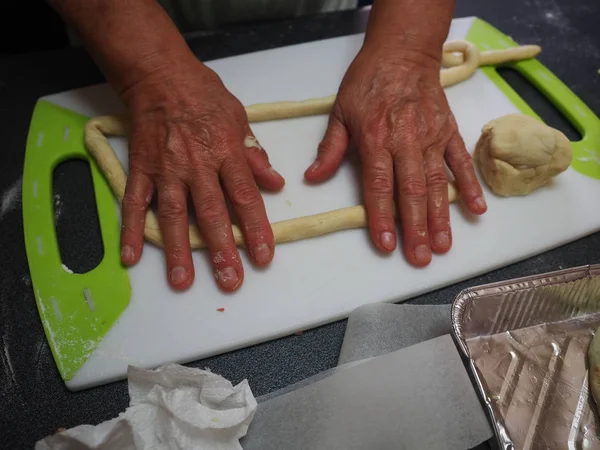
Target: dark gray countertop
[33,399]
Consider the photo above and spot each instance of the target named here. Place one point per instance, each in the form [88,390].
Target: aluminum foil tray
[526,341]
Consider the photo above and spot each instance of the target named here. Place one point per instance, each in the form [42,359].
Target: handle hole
[76,216]
[539,102]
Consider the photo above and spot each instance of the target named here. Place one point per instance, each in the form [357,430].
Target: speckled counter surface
[33,399]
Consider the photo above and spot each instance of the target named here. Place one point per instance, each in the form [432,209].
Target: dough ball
[518,154]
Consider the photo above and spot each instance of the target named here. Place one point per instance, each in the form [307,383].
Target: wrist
[402,52]
[414,26]
[167,80]
[155,64]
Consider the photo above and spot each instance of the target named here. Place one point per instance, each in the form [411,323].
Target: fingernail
[442,239]
[274,172]
[387,240]
[423,253]
[480,202]
[127,253]
[262,253]
[227,277]
[314,166]
[179,275]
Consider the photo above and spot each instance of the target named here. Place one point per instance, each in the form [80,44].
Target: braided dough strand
[98,128]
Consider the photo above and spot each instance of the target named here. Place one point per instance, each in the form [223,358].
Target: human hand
[396,112]
[191,136]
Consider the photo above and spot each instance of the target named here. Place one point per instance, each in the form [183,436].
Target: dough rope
[492,57]
[458,68]
[99,128]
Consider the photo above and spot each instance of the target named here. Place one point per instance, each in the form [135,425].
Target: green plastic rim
[586,152]
[76,310]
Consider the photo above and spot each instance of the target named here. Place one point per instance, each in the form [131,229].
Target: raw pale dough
[97,129]
[462,57]
[518,154]
[492,57]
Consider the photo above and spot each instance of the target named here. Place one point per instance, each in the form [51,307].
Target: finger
[138,194]
[461,164]
[250,209]
[330,152]
[438,213]
[174,226]
[412,200]
[378,185]
[214,223]
[258,161]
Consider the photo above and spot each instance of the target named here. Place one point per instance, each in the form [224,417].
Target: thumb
[330,153]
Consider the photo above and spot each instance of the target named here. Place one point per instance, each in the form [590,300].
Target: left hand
[396,112]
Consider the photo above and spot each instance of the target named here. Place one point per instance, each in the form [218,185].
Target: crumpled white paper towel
[172,407]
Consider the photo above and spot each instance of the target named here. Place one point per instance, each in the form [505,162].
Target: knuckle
[413,188]
[132,202]
[459,158]
[440,222]
[177,250]
[464,158]
[136,148]
[256,232]
[172,211]
[210,210]
[384,219]
[380,183]
[382,208]
[245,195]
[379,179]
[419,234]
[436,177]
[382,213]
[324,146]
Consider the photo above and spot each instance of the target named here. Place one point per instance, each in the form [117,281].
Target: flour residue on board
[10,198]
[590,155]
[67,338]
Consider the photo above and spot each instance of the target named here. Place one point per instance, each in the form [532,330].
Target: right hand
[191,136]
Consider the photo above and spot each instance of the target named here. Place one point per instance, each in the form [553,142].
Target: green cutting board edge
[76,310]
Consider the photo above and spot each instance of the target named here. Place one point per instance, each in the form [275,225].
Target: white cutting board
[317,281]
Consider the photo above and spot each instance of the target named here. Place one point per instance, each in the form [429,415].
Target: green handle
[586,152]
[76,310]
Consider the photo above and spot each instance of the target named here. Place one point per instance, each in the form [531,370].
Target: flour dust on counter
[10,198]
[566,38]
[9,386]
